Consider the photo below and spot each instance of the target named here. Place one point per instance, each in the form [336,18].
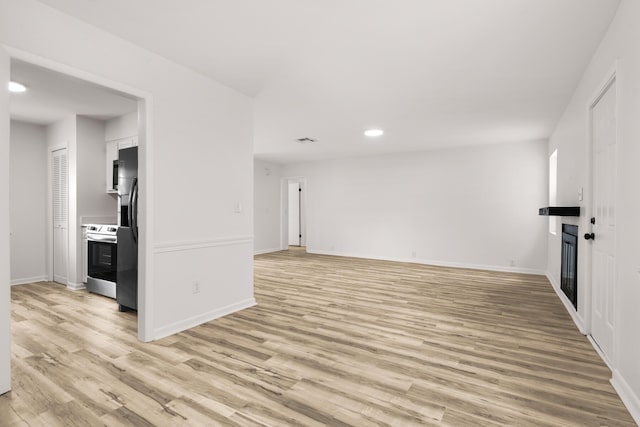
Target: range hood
[560,211]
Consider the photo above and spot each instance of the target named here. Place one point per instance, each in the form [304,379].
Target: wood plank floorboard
[332,342]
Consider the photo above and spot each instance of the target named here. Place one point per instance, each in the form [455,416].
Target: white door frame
[145,146]
[284,207]
[610,77]
[5,266]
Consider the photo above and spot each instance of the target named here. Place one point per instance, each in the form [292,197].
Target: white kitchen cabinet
[112,154]
[127,142]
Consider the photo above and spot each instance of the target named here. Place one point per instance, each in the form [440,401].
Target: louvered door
[60,213]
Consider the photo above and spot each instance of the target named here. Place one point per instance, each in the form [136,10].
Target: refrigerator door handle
[130,206]
[133,206]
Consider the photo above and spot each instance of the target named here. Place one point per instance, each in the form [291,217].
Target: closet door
[60,201]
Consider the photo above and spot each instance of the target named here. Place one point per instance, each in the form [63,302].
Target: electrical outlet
[413,254]
[512,262]
[196,287]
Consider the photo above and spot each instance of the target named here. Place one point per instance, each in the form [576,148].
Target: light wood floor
[333,341]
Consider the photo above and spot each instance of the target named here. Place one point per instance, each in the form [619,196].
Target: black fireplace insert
[569,264]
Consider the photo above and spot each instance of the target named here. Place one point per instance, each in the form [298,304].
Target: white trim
[577,318]
[201,244]
[145,249]
[41,61]
[598,350]
[76,286]
[609,78]
[504,269]
[266,251]
[194,321]
[628,397]
[27,280]
[146,200]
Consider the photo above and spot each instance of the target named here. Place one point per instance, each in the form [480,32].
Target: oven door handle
[102,239]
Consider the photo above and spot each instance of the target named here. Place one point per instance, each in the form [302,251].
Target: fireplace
[569,264]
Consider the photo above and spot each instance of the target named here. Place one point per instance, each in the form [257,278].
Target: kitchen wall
[28,179]
[467,207]
[84,139]
[620,49]
[196,188]
[266,219]
[121,127]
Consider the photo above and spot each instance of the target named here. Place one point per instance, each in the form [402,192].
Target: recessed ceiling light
[373,132]
[16,87]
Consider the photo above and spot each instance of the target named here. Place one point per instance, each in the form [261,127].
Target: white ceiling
[431,73]
[52,96]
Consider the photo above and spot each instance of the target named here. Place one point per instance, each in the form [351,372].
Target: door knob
[589,236]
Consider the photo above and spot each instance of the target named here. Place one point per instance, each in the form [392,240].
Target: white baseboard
[191,322]
[76,286]
[577,319]
[266,251]
[26,280]
[628,397]
[504,269]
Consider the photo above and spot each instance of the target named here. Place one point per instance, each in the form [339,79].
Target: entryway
[63,223]
[293,212]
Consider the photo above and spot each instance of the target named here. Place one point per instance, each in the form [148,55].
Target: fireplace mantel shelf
[560,211]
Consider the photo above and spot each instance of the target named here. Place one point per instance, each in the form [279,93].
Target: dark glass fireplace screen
[569,264]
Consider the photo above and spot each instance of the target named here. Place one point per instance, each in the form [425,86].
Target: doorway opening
[293,211]
[76,188]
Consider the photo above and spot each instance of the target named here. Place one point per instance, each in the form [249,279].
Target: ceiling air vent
[306,140]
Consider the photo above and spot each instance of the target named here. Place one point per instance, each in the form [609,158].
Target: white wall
[121,127]
[474,207]
[197,164]
[93,200]
[28,180]
[266,219]
[621,45]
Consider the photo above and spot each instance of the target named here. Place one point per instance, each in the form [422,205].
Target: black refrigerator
[127,260]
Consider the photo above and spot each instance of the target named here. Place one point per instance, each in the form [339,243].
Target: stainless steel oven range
[102,251]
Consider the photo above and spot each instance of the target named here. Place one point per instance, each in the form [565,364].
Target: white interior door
[603,268]
[60,201]
[294,214]
[5,274]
